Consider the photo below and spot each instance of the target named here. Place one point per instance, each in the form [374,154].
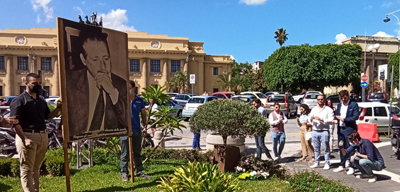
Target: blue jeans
[260,143]
[318,138]
[343,134]
[278,138]
[366,166]
[137,150]
[196,141]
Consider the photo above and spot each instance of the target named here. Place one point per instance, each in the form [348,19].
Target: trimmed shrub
[187,154]
[249,164]
[60,152]
[198,176]
[312,181]
[55,165]
[9,167]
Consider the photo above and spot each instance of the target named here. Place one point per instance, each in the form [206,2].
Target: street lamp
[375,47]
[387,19]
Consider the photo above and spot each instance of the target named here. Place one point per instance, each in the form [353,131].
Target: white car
[194,103]
[379,113]
[298,98]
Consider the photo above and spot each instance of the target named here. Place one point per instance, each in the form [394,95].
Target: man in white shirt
[277,120]
[321,117]
[154,108]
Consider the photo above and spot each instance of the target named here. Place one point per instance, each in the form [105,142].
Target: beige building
[153,60]
[374,58]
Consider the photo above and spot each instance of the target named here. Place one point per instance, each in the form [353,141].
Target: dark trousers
[343,133]
[137,150]
[196,141]
[260,143]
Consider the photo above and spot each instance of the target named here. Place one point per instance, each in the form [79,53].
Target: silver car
[310,100]
[182,99]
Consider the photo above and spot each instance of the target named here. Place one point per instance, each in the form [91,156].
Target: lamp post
[387,19]
[371,48]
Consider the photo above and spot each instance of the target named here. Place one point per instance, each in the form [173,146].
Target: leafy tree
[224,82]
[305,66]
[259,83]
[181,81]
[241,68]
[281,36]
[242,82]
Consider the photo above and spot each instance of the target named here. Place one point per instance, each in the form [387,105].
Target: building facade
[153,60]
[373,59]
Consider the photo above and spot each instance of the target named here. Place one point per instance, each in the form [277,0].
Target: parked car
[52,100]
[288,106]
[310,100]
[244,98]
[377,97]
[193,103]
[182,99]
[298,98]
[172,95]
[379,113]
[314,92]
[8,100]
[258,95]
[271,92]
[223,95]
[171,104]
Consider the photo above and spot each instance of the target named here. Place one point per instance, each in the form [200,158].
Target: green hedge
[312,181]
[187,154]
[9,167]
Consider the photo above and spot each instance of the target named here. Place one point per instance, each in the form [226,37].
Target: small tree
[228,118]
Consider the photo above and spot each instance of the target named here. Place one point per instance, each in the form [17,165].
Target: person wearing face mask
[366,156]
[31,112]
[347,114]
[137,108]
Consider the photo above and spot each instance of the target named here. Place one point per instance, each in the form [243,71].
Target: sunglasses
[320,99]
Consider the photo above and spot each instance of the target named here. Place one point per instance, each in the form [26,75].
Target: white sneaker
[315,165]
[327,167]
[350,171]
[276,158]
[347,164]
[373,180]
[339,169]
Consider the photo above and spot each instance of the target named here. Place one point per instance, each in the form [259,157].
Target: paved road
[186,138]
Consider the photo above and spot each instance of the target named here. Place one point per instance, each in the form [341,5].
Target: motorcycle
[395,138]
[7,142]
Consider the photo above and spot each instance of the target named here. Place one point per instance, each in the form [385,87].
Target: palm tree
[281,36]
[181,81]
[224,82]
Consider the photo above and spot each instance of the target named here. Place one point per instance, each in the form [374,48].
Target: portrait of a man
[96,95]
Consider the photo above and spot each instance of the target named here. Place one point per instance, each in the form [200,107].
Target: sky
[241,28]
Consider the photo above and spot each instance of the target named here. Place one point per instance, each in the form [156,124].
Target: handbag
[308,136]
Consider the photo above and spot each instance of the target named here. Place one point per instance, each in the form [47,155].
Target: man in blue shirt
[366,157]
[137,108]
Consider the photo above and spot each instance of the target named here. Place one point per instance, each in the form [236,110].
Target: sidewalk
[388,179]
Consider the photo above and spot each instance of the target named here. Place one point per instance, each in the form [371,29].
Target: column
[164,77]
[56,76]
[10,75]
[144,74]
[185,65]
[200,78]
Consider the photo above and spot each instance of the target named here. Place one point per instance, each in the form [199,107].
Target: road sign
[364,84]
[192,79]
[364,78]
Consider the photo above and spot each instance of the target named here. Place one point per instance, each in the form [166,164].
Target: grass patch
[272,184]
[101,178]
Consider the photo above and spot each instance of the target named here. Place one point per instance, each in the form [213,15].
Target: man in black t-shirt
[31,110]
